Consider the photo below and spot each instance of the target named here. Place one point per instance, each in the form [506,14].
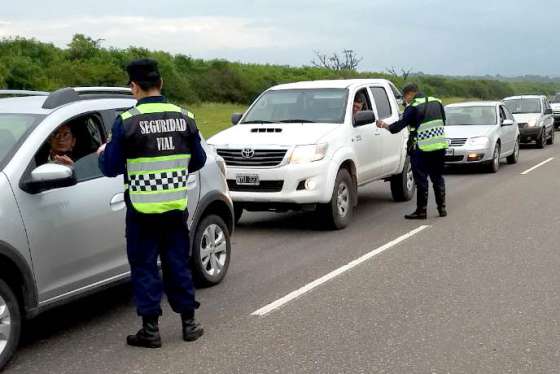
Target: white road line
[305,289]
[537,166]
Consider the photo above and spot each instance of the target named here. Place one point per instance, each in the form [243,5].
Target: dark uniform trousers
[165,235]
[424,165]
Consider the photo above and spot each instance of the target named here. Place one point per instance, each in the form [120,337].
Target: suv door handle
[117,202]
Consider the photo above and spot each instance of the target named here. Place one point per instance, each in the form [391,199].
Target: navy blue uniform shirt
[112,161]
[410,118]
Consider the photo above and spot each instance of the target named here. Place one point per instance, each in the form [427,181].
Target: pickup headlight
[479,141]
[303,154]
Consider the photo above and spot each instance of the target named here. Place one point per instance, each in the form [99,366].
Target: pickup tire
[337,213]
[402,185]
[10,323]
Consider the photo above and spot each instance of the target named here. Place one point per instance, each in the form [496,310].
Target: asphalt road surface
[476,292]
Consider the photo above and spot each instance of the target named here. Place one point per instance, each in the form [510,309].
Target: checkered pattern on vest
[438,131]
[158,181]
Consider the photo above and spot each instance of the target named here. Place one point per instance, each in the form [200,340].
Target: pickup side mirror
[548,111]
[235,118]
[507,122]
[364,117]
[49,176]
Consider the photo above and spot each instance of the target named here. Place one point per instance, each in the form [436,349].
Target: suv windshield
[13,128]
[519,106]
[470,115]
[297,106]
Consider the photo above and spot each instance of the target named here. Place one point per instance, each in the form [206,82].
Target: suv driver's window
[74,143]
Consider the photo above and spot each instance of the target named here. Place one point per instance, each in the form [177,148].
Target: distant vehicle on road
[481,133]
[62,227]
[555,105]
[310,145]
[534,118]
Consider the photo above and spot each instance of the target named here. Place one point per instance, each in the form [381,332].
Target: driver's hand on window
[63,160]
[101,149]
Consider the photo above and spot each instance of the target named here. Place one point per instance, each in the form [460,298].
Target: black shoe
[192,330]
[148,336]
[442,211]
[418,214]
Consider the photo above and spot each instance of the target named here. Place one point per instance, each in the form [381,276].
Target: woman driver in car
[62,142]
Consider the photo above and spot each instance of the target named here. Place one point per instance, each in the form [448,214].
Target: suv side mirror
[49,176]
[235,118]
[548,111]
[364,117]
[507,122]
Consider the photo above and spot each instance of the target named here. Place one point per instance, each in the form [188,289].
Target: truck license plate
[247,180]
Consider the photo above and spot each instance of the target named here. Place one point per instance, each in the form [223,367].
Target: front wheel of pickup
[337,213]
[402,185]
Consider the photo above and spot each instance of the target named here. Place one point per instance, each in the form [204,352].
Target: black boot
[421,204]
[148,336]
[440,200]
[418,214]
[192,330]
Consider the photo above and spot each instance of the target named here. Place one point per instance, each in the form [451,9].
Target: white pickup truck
[303,146]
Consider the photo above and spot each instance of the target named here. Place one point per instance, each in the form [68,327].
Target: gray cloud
[434,36]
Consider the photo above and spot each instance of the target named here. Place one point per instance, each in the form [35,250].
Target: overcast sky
[471,37]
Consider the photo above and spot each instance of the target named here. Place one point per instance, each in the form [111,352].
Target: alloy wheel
[213,250]
[5,324]
[343,200]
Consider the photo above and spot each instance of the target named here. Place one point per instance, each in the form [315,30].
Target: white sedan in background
[481,133]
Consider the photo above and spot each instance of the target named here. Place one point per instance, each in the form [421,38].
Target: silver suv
[62,227]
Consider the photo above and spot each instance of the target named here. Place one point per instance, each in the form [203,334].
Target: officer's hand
[101,149]
[381,124]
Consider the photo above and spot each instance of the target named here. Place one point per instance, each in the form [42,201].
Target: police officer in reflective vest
[156,145]
[425,119]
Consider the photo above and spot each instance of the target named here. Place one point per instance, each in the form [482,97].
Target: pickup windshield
[470,116]
[520,106]
[299,106]
[13,128]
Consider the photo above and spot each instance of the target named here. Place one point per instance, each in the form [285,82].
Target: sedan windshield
[299,106]
[520,106]
[13,128]
[471,115]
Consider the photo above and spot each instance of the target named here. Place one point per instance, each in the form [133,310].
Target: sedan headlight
[303,154]
[479,141]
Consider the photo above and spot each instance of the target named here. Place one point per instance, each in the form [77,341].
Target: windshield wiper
[296,121]
[256,121]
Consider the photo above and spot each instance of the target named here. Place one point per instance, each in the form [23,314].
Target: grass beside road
[212,118]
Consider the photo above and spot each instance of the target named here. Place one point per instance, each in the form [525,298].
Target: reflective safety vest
[430,135]
[157,151]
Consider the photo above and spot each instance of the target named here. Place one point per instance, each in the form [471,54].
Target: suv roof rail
[10,93]
[73,94]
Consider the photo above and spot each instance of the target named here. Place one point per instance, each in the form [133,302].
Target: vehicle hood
[468,131]
[274,134]
[526,117]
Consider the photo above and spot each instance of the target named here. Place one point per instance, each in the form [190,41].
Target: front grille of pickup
[264,186]
[253,157]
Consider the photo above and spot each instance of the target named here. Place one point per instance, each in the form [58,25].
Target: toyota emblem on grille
[248,153]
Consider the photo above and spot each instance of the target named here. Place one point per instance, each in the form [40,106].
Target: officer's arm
[112,160]
[409,118]
[198,155]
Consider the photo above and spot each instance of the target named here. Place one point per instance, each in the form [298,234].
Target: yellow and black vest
[157,151]
[430,134]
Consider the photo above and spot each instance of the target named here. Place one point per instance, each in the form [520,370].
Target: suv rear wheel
[337,213]
[211,251]
[402,185]
[10,323]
